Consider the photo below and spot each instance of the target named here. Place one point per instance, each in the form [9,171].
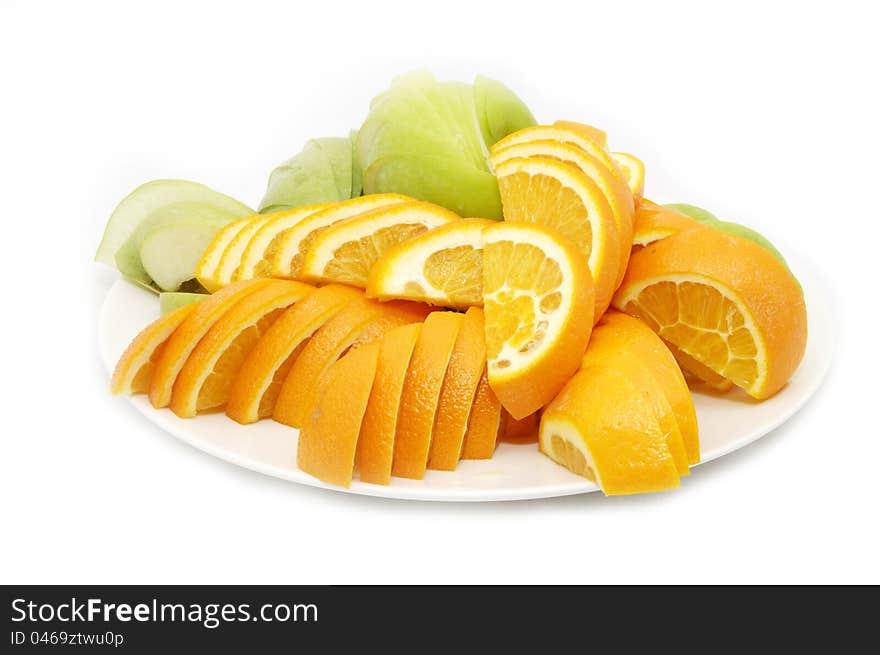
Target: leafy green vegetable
[322,172]
[429,140]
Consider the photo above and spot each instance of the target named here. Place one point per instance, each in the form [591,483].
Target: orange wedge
[206,270]
[603,426]
[231,257]
[654,222]
[538,303]
[256,260]
[184,340]
[346,251]
[633,171]
[421,393]
[619,339]
[521,431]
[375,449]
[134,370]
[360,322]
[206,377]
[485,424]
[723,300]
[292,245]
[328,441]
[621,354]
[593,133]
[443,266]
[549,192]
[258,383]
[613,188]
[457,393]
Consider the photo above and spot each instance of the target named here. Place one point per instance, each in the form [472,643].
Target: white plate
[515,472]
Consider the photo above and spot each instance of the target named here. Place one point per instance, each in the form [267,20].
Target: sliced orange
[256,260]
[206,270]
[654,222]
[186,337]
[545,191]
[723,300]
[485,423]
[421,393]
[633,170]
[231,257]
[375,449]
[360,322]
[457,393]
[443,266]
[521,431]
[564,134]
[610,350]
[603,427]
[134,370]
[328,441]
[346,251]
[618,338]
[206,377]
[594,133]
[258,383]
[615,190]
[292,245]
[538,303]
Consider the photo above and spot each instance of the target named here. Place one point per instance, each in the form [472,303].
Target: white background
[766,114]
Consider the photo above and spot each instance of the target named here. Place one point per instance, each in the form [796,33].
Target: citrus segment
[460,383]
[206,377]
[522,431]
[618,337]
[135,367]
[375,449]
[599,427]
[328,441]
[292,245]
[256,260]
[545,191]
[258,383]
[359,322]
[485,423]
[633,170]
[723,300]
[538,303]
[186,337]
[346,251]
[443,266]
[654,222]
[421,393]
[206,270]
